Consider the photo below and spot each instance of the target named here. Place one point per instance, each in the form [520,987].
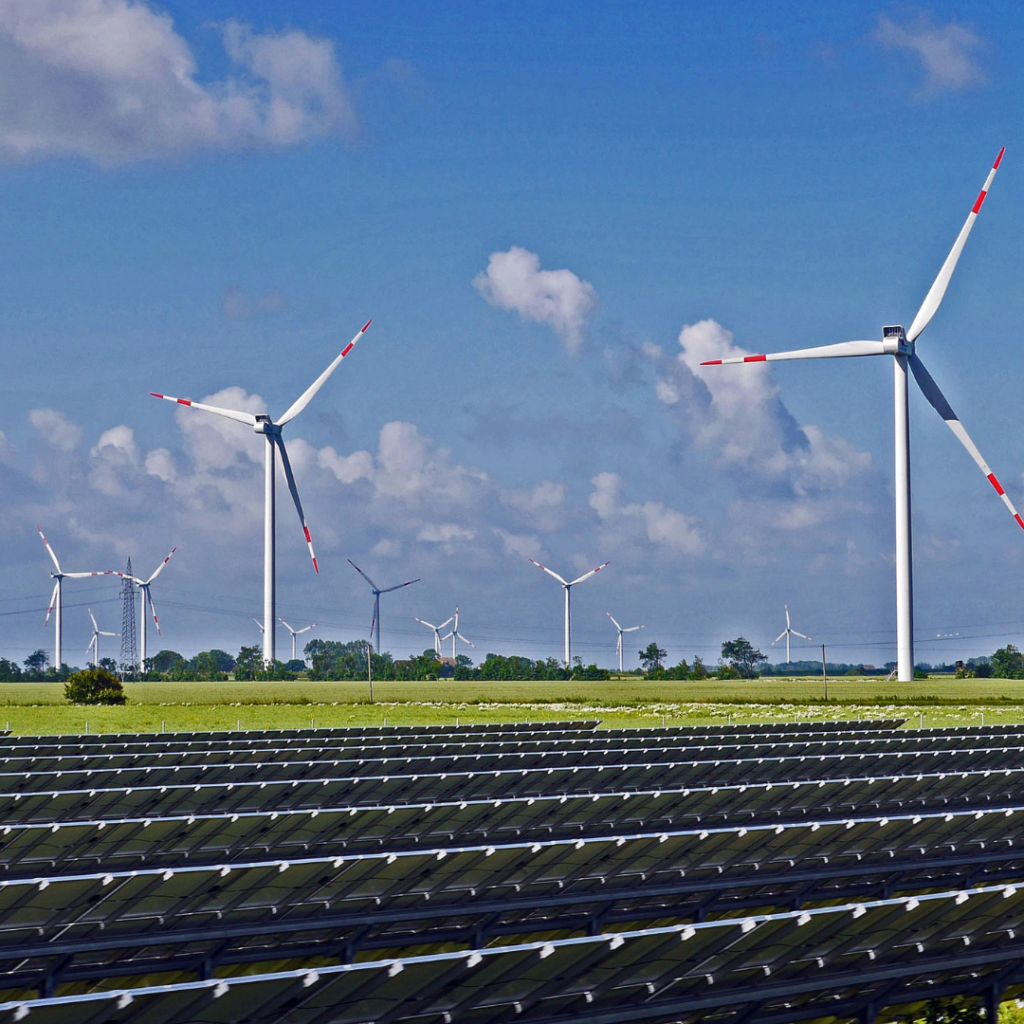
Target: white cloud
[56,430]
[112,81]
[660,524]
[444,533]
[947,53]
[543,504]
[514,281]
[237,304]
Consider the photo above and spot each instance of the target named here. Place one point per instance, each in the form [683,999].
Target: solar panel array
[834,871]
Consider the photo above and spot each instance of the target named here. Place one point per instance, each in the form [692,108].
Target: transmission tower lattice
[129,648]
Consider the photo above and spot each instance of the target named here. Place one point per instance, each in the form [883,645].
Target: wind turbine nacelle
[264,425]
[894,340]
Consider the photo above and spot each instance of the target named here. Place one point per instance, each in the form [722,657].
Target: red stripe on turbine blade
[305,529]
[712,362]
[315,566]
[368,322]
[153,394]
[981,199]
[1020,522]
[996,484]
[183,401]
[999,159]
[345,351]
[754,359]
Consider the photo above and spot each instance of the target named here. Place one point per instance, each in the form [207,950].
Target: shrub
[94,686]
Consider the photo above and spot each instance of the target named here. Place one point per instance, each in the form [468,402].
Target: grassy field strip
[38,708]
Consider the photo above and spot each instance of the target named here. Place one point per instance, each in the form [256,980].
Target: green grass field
[39,708]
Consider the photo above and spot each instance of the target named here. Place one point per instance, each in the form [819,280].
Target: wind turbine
[295,632]
[787,632]
[147,598]
[567,587]
[377,591]
[901,346]
[94,644]
[437,631]
[263,424]
[57,603]
[628,629]
[455,634]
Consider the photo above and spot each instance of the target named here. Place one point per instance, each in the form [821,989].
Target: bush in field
[94,686]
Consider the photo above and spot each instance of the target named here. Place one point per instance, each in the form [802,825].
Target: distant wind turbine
[618,645]
[295,632]
[271,430]
[901,346]
[437,631]
[455,634]
[377,591]
[567,587]
[787,633]
[94,643]
[147,598]
[57,602]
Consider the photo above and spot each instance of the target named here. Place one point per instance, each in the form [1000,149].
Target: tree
[652,656]
[1008,663]
[35,664]
[743,656]
[249,663]
[9,671]
[94,686]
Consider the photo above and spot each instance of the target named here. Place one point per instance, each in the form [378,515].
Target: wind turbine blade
[48,548]
[285,624]
[801,635]
[306,397]
[843,348]
[587,575]
[550,572]
[258,623]
[86,575]
[103,632]
[231,414]
[938,401]
[305,628]
[779,637]
[786,606]
[465,641]
[430,624]
[93,617]
[363,574]
[633,629]
[612,617]
[53,601]
[295,496]
[152,608]
[160,567]
[408,583]
[938,289]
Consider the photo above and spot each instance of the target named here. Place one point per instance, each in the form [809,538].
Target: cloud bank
[947,54]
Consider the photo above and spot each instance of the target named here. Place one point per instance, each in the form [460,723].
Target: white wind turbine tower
[57,601]
[437,631]
[94,644]
[296,632]
[377,591]
[787,633]
[147,599]
[901,346]
[271,430]
[618,645]
[455,634]
[568,587]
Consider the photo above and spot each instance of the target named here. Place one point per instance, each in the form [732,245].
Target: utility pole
[824,673]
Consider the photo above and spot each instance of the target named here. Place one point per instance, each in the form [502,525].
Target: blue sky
[198,197]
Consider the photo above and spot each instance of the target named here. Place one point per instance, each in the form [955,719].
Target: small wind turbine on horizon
[271,430]
[377,591]
[618,645]
[567,587]
[295,632]
[455,634]
[901,346]
[787,632]
[147,597]
[57,600]
[94,643]
[437,631]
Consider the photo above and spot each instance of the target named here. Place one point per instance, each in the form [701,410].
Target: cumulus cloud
[112,81]
[55,429]
[947,54]
[237,304]
[659,523]
[514,281]
[735,413]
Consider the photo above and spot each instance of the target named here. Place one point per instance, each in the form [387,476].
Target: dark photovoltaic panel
[550,873]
